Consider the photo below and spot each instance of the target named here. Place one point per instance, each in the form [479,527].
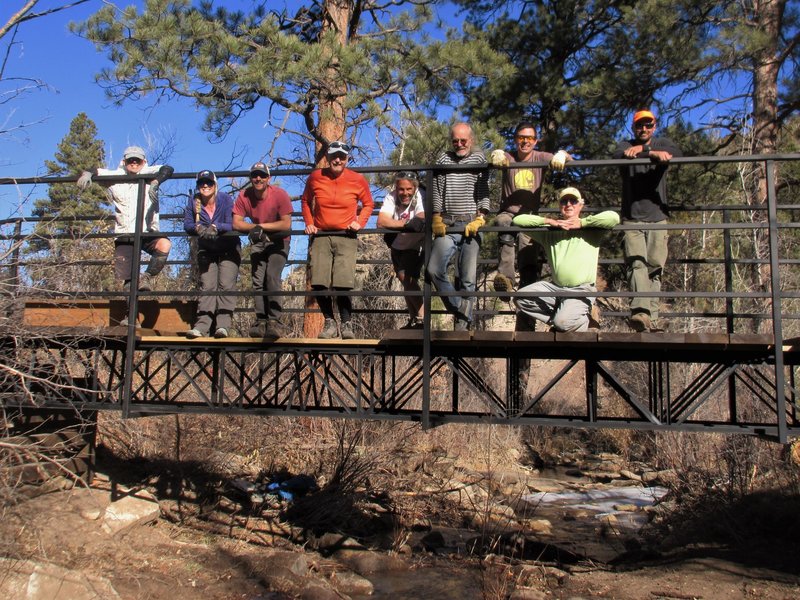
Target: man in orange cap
[644,200]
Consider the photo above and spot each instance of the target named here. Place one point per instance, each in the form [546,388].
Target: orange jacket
[331,204]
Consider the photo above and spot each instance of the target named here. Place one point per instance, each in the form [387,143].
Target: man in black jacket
[644,200]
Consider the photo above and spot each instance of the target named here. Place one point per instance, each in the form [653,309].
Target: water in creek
[580,520]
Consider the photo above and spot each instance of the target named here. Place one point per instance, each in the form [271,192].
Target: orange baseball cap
[643,114]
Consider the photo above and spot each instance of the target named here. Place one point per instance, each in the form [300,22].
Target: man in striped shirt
[460,204]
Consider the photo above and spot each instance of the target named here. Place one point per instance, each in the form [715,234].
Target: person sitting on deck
[572,247]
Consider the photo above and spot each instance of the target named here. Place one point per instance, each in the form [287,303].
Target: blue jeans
[466,269]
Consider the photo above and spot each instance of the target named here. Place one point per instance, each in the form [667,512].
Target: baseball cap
[206,176]
[133,152]
[338,147]
[570,191]
[259,167]
[642,115]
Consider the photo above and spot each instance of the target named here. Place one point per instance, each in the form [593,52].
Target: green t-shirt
[573,253]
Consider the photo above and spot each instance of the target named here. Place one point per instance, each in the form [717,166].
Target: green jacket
[573,253]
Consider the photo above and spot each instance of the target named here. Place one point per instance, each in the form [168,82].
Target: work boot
[276,328]
[347,331]
[413,323]
[640,322]
[259,330]
[502,283]
[329,331]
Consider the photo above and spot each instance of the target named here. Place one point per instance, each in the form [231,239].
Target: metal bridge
[725,365]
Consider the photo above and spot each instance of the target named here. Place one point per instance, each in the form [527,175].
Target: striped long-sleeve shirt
[461,192]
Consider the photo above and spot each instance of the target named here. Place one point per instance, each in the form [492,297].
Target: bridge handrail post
[726,242]
[775,290]
[426,303]
[133,299]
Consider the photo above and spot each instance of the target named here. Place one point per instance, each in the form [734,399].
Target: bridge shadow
[191,493]
[759,530]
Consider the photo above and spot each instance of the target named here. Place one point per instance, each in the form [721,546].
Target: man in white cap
[332,216]
[123,196]
[572,247]
[644,200]
[268,209]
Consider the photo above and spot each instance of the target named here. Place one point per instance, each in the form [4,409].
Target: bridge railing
[732,265]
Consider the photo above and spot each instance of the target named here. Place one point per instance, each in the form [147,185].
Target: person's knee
[163,245]
[570,322]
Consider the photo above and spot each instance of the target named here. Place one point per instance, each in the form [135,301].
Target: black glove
[164,173]
[257,234]
[207,233]
[414,224]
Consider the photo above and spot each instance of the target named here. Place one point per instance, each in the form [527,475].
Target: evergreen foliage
[326,71]
[62,240]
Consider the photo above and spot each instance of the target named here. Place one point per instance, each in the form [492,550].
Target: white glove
[498,158]
[559,160]
[84,180]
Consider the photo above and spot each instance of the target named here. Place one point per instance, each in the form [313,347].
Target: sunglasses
[409,175]
[526,138]
[572,201]
[340,146]
[133,161]
[258,176]
[650,125]
[460,141]
[202,184]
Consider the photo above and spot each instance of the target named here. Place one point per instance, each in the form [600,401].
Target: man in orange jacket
[331,213]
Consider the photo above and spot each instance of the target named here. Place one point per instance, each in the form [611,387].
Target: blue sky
[46,50]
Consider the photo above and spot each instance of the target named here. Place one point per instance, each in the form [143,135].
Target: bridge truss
[679,382]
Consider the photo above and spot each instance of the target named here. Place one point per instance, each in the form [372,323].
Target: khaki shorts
[333,261]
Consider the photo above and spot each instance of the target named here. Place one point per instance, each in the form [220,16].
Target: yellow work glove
[498,158]
[437,226]
[472,227]
[559,160]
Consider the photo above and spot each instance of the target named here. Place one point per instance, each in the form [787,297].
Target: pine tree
[61,237]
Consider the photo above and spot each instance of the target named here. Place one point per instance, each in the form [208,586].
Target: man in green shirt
[572,247]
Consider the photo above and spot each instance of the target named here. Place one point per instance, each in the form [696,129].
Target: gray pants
[267,260]
[218,273]
[564,314]
[645,256]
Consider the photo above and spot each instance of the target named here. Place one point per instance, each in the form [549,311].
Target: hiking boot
[347,331]
[413,323]
[329,331]
[146,282]
[461,325]
[220,333]
[502,283]
[259,330]
[276,329]
[640,322]
[194,333]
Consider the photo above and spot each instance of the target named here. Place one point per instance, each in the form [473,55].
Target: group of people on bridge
[337,203]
